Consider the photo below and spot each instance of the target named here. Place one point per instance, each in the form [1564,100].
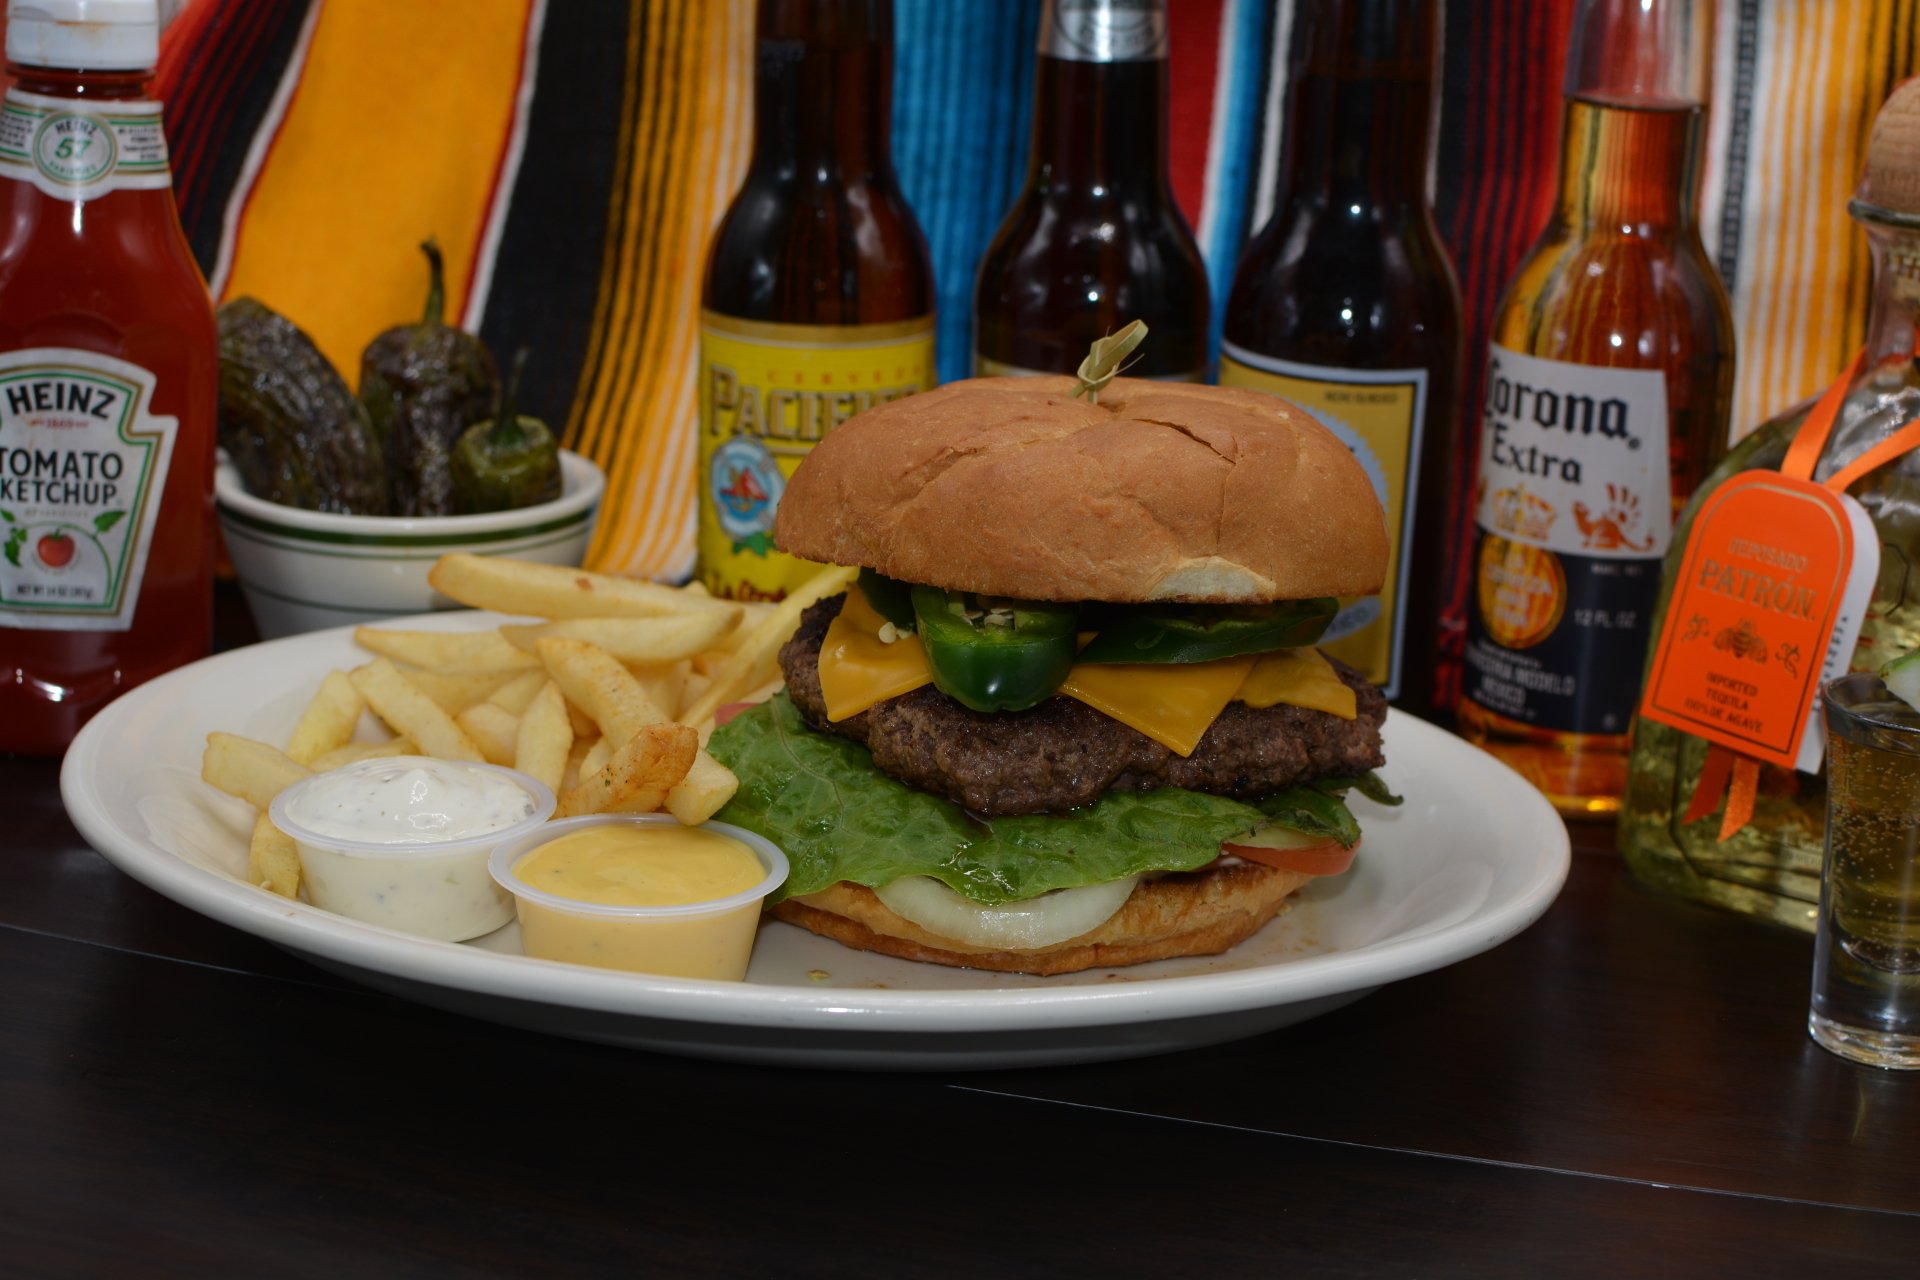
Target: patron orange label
[768,394]
[1572,517]
[1767,604]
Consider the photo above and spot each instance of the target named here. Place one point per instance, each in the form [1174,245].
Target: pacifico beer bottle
[108,378]
[819,294]
[1607,395]
[1095,239]
[1346,304]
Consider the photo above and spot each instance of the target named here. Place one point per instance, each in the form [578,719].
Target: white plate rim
[304,929]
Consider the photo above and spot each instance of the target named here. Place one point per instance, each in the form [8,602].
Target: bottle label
[983,367]
[1379,414]
[1573,514]
[82,467]
[1772,588]
[78,150]
[768,394]
[1104,30]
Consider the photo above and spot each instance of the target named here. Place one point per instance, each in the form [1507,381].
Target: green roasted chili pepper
[508,462]
[891,598]
[991,654]
[288,422]
[422,385]
[1202,633]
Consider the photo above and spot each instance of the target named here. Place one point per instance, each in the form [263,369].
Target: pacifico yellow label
[768,394]
[1378,414]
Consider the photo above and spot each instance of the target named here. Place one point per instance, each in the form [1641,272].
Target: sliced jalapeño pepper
[994,655]
[891,598]
[1202,633]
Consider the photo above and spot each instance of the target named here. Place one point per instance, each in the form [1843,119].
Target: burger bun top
[1161,491]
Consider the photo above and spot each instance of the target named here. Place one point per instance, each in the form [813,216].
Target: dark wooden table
[1625,1089]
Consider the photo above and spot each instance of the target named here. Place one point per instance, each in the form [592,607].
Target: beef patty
[1063,754]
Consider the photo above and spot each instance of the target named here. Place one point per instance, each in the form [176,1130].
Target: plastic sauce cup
[701,940]
[433,889]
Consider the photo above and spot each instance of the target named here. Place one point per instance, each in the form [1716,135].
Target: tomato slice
[728,710]
[1290,850]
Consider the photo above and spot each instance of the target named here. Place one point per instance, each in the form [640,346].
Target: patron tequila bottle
[1771,867]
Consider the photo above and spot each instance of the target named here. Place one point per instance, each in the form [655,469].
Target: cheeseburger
[1070,714]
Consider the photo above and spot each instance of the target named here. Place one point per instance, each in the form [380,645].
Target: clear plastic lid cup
[701,940]
[433,889]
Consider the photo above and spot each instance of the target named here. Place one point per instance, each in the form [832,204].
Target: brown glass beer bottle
[1095,239]
[818,299]
[1609,383]
[1346,304]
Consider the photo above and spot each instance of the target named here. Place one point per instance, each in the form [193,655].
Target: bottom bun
[1199,913]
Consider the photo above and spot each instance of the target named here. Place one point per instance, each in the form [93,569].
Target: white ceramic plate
[1474,856]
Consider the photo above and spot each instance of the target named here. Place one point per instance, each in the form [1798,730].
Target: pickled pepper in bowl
[508,462]
[294,431]
[422,385]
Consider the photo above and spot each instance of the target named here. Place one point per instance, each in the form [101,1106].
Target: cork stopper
[1892,179]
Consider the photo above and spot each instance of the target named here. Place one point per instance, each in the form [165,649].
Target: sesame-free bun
[1197,913]
[1161,491]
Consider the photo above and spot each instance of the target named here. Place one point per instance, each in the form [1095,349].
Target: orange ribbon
[1726,770]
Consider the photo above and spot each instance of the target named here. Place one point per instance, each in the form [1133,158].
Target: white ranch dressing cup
[430,888]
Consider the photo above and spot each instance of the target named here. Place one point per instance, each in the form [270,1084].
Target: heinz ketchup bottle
[108,378]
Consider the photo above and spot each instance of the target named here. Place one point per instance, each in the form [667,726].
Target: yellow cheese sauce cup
[641,892]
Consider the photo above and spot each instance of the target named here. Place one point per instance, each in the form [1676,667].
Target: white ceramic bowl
[307,570]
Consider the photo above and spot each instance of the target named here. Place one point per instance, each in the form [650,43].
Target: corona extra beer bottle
[819,295]
[1605,404]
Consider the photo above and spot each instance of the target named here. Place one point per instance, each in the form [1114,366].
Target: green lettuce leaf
[819,798]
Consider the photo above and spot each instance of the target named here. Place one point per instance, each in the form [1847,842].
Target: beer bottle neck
[1359,116]
[823,89]
[1101,127]
[1636,91]
[1631,169]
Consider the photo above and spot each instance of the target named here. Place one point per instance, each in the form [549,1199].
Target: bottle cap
[1892,179]
[86,35]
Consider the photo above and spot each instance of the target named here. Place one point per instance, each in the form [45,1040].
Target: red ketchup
[108,378]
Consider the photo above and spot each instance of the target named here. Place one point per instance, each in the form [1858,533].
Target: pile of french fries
[609,701]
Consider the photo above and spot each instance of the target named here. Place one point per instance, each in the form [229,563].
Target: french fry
[454,653]
[251,770]
[666,685]
[407,710]
[596,682]
[517,694]
[354,752]
[649,640]
[596,757]
[755,661]
[703,792]
[545,738]
[494,728]
[455,694]
[638,777]
[554,591]
[696,686]
[328,722]
[273,862]
[571,775]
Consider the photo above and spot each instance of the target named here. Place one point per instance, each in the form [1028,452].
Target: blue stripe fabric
[963,95]
[1248,25]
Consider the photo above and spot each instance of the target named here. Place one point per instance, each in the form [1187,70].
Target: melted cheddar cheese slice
[1172,704]
[1299,678]
[858,669]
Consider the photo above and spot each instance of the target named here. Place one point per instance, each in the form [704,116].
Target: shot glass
[1866,964]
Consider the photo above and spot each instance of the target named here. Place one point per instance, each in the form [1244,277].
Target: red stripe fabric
[1193,63]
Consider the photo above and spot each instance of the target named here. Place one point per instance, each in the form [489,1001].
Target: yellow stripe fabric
[1801,291]
[685,141]
[429,106]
